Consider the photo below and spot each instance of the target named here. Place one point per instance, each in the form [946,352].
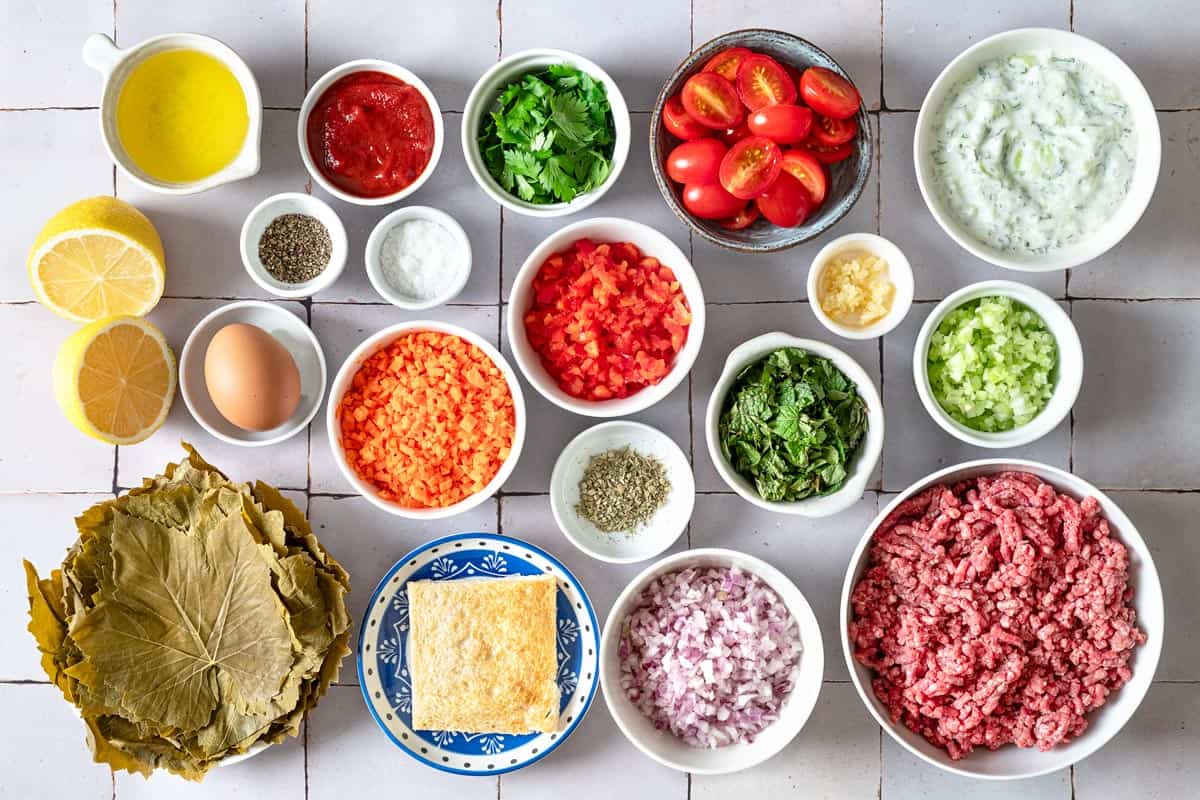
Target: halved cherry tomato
[743,219]
[782,124]
[710,201]
[679,123]
[725,63]
[711,100]
[831,132]
[762,81]
[804,167]
[829,93]
[750,167]
[827,154]
[697,161]
[786,202]
[735,135]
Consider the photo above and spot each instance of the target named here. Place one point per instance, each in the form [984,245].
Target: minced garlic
[855,290]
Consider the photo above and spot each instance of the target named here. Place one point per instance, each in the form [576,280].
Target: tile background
[1134,429]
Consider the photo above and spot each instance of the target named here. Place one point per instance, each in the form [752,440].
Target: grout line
[116,489]
[1072,769]
[1071,26]
[306,14]
[882,100]
[1071,411]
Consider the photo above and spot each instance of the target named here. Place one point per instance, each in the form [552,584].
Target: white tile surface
[275,774]
[849,30]
[1154,757]
[348,757]
[268,35]
[62,160]
[1164,28]
[1155,260]
[40,44]
[939,265]
[915,445]
[1135,421]
[284,465]
[812,552]
[919,39]
[836,756]
[201,232]
[341,328]
[447,44]
[906,777]
[42,748]
[646,41]
[32,428]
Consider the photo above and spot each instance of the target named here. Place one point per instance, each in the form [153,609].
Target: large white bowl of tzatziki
[1037,149]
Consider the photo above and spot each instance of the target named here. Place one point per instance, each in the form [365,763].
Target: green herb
[791,423]
[550,138]
[621,490]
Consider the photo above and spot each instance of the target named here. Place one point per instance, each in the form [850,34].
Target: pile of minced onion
[709,654]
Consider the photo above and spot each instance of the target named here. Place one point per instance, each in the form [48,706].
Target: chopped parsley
[550,137]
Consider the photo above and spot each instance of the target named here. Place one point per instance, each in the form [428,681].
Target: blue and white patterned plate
[383,653]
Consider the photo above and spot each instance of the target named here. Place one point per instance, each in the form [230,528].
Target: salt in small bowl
[374,262]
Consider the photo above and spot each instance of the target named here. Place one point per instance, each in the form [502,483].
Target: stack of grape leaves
[193,619]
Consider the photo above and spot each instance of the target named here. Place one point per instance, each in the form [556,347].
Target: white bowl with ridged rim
[482,99]
[1011,762]
[859,469]
[345,376]
[899,272]
[1069,372]
[277,205]
[671,751]
[374,263]
[1100,58]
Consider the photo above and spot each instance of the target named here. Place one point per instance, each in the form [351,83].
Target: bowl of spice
[860,286]
[622,492]
[418,257]
[294,245]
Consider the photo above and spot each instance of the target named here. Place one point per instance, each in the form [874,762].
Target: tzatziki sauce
[1033,152]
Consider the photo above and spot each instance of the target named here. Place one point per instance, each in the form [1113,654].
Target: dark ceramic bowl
[846,179]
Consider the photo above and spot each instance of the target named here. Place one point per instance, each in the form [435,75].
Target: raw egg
[252,379]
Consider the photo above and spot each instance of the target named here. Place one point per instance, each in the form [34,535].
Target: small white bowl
[375,267]
[1145,122]
[660,531]
[115,66]
[482,101]
[1012,762]
[1068,380]
[345,375]
[291,332]
[264,214]
[604,229]
[899,272]
[369,65]
[861,466]
[672,752]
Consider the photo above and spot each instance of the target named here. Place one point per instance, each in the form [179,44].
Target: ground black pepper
[295,248]
[622,489]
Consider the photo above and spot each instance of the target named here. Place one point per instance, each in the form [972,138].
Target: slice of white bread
[481,652]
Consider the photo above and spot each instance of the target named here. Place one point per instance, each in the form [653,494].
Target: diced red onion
[709,655]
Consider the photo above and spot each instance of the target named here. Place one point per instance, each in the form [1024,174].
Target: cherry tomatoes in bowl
[743,219]
[750,167]
[697,161]
[679,123]
[785,202]
[828,93]
[712,101]
[804,167]
[711,201]
[726,62]
[828,154]
[831,132]
[782,124]
[762,81]
[735,135]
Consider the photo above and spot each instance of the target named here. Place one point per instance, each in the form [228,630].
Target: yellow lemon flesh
[98,258]
[115,379]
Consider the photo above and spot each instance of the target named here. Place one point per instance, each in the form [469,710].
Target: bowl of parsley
[794,425]
[545,132]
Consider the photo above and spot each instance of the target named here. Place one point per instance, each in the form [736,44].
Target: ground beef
[994,611]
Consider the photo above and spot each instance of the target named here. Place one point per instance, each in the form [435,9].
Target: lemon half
[115,379]
[98,258]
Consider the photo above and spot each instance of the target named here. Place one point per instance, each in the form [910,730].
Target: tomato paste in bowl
[370,132]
